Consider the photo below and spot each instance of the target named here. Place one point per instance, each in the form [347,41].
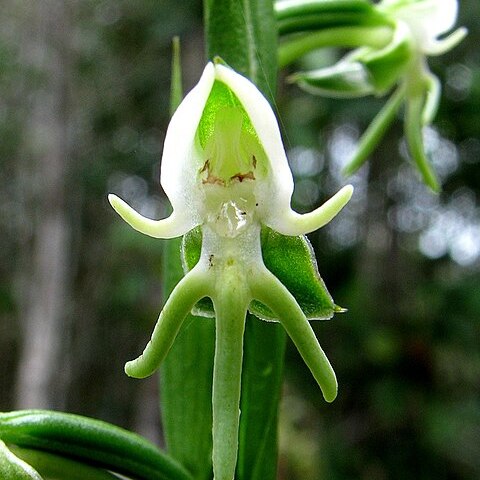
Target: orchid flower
[224,170]
[397,59]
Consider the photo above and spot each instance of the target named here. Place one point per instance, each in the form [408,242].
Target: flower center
[229,211]
[229,151]
[233,163]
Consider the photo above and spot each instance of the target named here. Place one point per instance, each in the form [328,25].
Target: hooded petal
[274,194]
[180,161]
[181,156]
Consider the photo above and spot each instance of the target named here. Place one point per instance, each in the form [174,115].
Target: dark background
[84,95]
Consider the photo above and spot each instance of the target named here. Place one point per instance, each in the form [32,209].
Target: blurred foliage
[405,262]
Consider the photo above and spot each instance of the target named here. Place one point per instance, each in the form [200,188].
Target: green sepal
[343,80]
[90,441]
[387,65]
[375,131]
[290,259]
[309,15]
[13,468]
[295,46]
[415,106]
[365,71]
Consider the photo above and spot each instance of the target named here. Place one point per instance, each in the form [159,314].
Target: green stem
[227,373]
[244,34]
[413,134]
[293,48]
[375,131]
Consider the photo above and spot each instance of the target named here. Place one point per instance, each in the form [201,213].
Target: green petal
[292,261]
[343,80]
[191,249]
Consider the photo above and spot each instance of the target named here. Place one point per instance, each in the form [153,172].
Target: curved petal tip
[170,227]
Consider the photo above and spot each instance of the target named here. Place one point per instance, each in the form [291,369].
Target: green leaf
[52,466]
[91,441]
[13,468]
[308,15]
[243,33]
[176,95]
[290,259]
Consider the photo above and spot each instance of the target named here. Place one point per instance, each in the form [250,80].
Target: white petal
[427,19]
[439,47]
[274,194]
[290,222]
[181,158]
[177,224]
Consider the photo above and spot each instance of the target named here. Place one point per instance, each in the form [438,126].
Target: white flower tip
[292,223]
[346,193]
[169,227]
[115,201]
[439,47]
[329,210]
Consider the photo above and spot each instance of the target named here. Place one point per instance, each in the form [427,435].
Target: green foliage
[91,441]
